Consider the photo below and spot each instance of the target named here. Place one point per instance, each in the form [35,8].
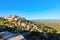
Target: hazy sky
[31,9]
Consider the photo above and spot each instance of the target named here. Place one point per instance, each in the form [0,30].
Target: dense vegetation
[53,24]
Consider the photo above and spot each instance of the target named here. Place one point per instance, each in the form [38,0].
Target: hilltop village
[23,29]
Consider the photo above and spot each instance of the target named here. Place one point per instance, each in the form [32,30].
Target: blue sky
[31,9]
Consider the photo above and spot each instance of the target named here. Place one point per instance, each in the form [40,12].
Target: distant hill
[48,20]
